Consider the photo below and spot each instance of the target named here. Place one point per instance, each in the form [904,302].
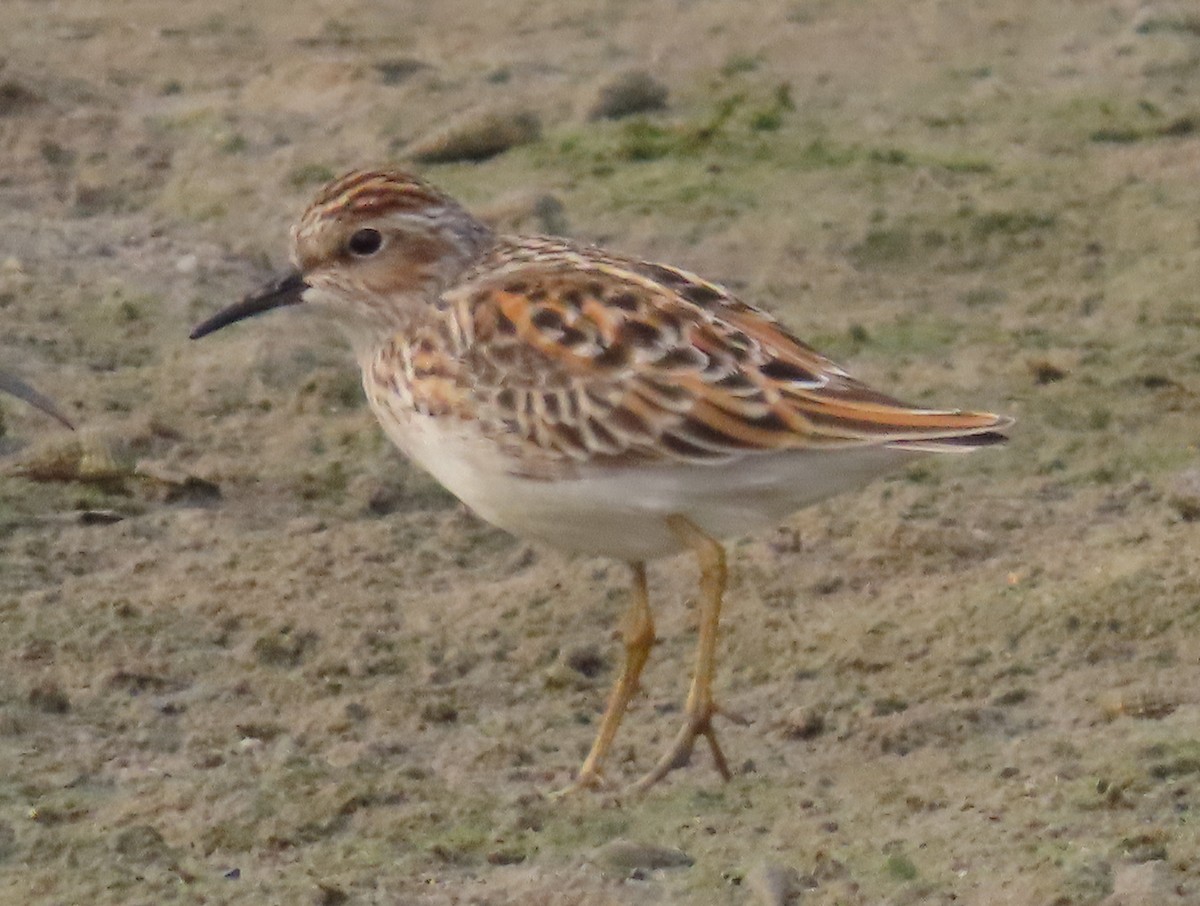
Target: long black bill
[285,291]
[10,383]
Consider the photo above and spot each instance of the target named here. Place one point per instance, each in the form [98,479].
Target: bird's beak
[285,291]
[10,383]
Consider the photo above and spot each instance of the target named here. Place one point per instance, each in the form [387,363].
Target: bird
[592,401]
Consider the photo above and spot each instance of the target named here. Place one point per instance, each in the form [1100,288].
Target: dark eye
[365,242]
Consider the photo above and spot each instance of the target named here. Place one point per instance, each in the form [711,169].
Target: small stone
[538,212]
[1045,371]
[627,93]
[384,498]
[624,857]
[803,723]
[505,857]
[187,264]
[560,676]
[585,660]
[476,135]
[771,884]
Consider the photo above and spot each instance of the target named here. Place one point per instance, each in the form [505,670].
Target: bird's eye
[365,242]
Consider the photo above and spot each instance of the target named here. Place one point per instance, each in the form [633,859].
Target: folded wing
[592,357]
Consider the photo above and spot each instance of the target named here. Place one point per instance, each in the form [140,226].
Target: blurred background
[248,654]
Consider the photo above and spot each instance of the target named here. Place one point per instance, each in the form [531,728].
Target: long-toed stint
[592,401]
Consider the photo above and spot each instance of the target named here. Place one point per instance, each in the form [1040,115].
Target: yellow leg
[700,707]
[637,632]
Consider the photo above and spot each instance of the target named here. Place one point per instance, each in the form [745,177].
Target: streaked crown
[375,193]
[375,242]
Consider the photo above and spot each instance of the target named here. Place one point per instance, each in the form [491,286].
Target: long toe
[586,780]
[679,754]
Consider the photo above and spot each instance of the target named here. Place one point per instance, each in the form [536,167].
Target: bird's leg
[700,707]
[637,633]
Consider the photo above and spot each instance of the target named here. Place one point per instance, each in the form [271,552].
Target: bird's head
[370,247]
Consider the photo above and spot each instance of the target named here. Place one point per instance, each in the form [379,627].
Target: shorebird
[592,401]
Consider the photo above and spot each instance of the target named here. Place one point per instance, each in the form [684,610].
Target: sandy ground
[248,655]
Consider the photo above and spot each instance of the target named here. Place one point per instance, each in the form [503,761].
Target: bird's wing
[593,357]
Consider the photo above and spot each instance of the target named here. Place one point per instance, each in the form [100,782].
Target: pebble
[519,212]
[627,856]
[476,135]
[627,93]
[803,723]
[586,660]
[770,883]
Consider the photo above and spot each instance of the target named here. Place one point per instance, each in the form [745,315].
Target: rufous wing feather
[605,357]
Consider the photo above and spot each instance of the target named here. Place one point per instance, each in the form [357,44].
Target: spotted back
[592,357]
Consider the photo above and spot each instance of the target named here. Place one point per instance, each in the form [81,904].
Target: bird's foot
[588,779]
[698,723]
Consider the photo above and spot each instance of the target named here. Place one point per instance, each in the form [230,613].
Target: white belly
[621,513]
